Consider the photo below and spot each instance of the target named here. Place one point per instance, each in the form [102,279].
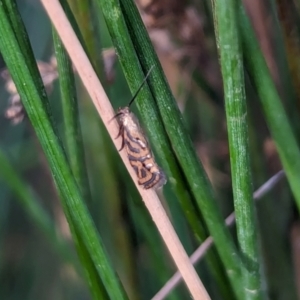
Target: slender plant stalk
[228,40]
[72,131]
[75,152]
[24,43]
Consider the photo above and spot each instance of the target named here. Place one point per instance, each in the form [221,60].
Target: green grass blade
[72,131]
[275,114]
[24,43]
[228,40]
[75,153]
[76,212]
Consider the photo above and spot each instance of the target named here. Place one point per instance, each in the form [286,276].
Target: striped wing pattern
[138,151]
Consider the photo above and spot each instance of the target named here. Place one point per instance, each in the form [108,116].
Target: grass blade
[72,130]
[228,40]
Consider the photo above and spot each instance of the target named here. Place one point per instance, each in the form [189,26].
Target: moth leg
[123,144]
[121,134]
[121,130]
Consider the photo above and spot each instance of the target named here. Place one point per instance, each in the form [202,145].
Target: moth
[140,156]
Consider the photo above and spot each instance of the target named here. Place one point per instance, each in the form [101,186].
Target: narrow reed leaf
[72,130]
[78,217]
[24,43]
[75,153]
[228,40]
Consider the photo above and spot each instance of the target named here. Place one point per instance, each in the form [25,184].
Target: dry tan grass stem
[105,110]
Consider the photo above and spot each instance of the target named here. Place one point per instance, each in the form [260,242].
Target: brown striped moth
[135,143]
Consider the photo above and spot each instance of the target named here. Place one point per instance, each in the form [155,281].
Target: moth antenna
[142,84]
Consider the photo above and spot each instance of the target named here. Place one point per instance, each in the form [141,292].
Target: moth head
[122,113]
